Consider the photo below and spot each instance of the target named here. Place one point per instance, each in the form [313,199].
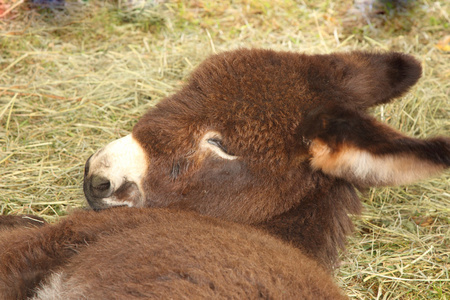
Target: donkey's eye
[212,142]
[218,143]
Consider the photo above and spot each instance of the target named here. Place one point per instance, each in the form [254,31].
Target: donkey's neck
[320,223]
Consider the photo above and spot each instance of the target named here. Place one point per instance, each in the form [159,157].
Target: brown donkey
[279,141]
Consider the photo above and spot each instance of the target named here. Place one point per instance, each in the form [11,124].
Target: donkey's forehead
[256,108]
[245,130]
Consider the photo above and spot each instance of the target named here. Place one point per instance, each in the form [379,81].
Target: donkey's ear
[376,78]
[358,148]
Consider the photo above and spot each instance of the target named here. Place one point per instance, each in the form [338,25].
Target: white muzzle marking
[121,161]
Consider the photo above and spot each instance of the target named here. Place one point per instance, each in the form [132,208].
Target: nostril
[101,187]
[100,183]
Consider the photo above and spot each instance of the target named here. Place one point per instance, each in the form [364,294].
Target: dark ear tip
[438,150]
[445,148]
[405,69]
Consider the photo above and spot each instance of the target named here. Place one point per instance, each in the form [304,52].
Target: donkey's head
[272,138]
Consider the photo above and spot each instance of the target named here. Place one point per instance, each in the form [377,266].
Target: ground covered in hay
[75,77]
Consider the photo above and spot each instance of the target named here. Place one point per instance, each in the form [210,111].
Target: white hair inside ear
[212,142]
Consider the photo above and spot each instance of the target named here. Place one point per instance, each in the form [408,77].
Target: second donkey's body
[130,253]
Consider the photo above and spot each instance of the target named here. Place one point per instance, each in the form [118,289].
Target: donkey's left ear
[365,152]
[375,78]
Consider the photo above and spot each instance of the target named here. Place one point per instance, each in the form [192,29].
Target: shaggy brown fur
[9,222]
[300,140]
[126,253]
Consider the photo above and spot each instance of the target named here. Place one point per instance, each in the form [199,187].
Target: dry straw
[73,79]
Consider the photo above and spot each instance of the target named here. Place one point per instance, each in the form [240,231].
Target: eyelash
[218,143]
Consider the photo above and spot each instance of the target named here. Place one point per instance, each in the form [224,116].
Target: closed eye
[218,143]
[212,141]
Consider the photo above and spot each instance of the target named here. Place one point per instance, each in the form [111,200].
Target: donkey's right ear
[375,78]
[365,152]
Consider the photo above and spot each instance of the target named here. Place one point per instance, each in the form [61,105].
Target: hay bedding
[73,79]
